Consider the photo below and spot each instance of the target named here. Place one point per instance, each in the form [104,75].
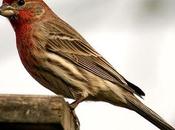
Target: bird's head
[23,11]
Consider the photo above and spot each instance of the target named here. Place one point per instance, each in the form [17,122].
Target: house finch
[60,59]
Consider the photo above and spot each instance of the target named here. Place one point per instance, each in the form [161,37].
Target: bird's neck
[23,34]
[24,41]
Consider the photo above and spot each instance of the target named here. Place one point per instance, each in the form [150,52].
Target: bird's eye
[21,2]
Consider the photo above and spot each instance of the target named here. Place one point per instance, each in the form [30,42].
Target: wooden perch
[21,112]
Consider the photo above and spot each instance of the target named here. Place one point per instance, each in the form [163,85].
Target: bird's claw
[77,122]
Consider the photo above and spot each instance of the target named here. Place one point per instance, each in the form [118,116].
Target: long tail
[147,113]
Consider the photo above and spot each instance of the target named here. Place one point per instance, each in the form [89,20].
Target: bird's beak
[7,11]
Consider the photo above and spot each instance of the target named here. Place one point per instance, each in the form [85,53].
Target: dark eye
[21,2]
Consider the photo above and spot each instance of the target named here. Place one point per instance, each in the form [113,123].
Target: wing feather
[66,42]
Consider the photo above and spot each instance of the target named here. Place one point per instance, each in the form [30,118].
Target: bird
[61,60]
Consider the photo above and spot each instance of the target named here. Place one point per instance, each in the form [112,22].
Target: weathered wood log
[23,112]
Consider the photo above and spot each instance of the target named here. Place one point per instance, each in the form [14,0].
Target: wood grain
[33,112]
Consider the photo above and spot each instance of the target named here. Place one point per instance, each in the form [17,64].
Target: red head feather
[8,1]
[11,1]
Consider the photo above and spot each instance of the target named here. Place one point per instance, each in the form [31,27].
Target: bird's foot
[72,106]
[76,119]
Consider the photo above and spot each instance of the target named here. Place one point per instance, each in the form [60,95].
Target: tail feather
[147,113]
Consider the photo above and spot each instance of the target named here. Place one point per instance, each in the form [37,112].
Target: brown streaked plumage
[60,59]
[66,43]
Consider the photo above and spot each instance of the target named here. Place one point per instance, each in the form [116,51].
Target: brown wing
[61,39]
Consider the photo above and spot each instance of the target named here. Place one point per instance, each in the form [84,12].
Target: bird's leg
[74,104]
